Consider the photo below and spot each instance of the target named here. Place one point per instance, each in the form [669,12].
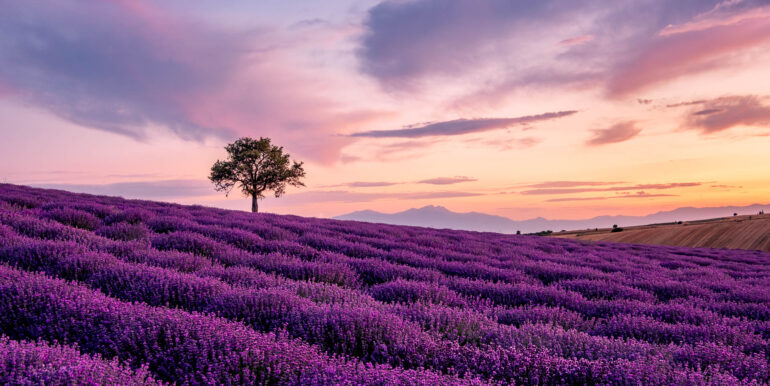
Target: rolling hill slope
[741,232]
[442,218]
[156,292]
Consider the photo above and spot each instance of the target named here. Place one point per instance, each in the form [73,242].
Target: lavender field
[105,290]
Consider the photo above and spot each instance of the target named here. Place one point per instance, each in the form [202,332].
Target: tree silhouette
[256,167]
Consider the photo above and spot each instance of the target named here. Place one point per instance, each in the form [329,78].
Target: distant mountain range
[440,217]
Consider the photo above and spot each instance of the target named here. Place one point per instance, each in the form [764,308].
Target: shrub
[74,218]
[124,231]
[28,363]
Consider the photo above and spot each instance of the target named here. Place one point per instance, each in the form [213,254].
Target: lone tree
[256,166]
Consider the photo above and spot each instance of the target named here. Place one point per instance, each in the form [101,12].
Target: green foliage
[255,167]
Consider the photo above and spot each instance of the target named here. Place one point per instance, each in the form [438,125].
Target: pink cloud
[636,195]
[128,67]
[619,132]
[447,180]
[507,144]
[690,48]
[688,103]
[709,20]
[495,92]
[571,184]
[405,149]
[620,189]
[727,112]
[578,40]
[370,184]
[318,196]
[461,126]
[569,199]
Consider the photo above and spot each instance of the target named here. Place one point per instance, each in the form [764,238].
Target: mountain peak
[432,208]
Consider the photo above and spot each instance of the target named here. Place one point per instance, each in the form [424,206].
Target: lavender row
[176,346]
[36,363]
[363,332]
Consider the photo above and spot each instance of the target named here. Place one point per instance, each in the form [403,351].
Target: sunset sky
[561,109]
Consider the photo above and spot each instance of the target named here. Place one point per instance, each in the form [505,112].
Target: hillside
[191,295]
[741,232]
[437,217]
[443,218]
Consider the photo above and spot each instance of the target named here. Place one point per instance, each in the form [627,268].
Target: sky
[557,108]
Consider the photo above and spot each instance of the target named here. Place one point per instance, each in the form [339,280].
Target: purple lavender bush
[102,290]
[36,363]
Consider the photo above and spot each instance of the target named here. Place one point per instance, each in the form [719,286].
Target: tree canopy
[256,167]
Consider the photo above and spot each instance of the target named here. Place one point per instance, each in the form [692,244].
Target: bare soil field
[739,232]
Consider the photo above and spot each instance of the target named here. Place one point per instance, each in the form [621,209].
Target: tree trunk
[254,205]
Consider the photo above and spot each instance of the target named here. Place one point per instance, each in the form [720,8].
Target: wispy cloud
[577,40]
[707,112]
[447,180]
[404,149]
[687,103]
[427,195]
[568,199]
[495,92]
[715,18]
[370,184]
[320,196]
[506,144]
[619,132]
[324,196]
[558,191]
[690,48]
[134,67]
[572,184]
[711,116]
[461,126]
[428,181]
[645,195]
[308,23]
[636,195]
